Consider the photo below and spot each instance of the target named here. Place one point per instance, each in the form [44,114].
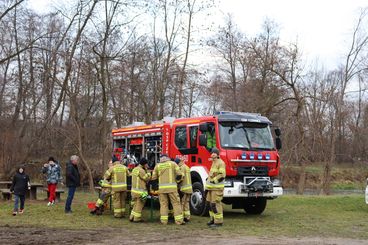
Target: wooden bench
[57,193]
[6,193]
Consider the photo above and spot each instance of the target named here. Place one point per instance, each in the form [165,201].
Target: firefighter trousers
[214,197]
[104,197]
[138,205]
[185,199]
[119,203]
[164,207]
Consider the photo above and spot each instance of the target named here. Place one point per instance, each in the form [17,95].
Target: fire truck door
[193,145]
[204,154]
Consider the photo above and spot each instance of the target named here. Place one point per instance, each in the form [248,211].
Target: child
[53,171]
[19,187]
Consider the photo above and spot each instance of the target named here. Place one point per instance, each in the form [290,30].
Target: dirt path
[37,236]
[221,240]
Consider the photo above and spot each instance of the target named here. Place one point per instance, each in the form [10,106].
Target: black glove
[154,185]
[178,177]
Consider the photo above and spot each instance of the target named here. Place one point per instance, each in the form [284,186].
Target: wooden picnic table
[5,183]
[32,193]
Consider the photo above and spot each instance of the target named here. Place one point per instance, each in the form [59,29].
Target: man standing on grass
[167,173]
[72,181]
[185,187]
[215,188]
[117,174]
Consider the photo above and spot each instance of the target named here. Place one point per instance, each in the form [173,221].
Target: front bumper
[238,189]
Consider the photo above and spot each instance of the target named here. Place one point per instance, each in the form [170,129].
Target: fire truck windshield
[246,135]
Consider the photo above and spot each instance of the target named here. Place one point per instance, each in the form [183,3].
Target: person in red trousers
[53,172]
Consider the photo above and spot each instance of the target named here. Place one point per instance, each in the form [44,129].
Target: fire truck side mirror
[203,127]
[277,132]
[278,143]
[203,140]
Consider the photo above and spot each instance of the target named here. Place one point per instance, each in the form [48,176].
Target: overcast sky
[322,27]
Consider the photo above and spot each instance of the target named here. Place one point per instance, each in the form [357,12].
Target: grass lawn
[287,216]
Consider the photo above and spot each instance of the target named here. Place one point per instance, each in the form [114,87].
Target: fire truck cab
[245,143]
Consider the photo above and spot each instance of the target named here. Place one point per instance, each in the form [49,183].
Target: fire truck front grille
[253,171]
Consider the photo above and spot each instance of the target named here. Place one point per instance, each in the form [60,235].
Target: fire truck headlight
[228,183]
[276,182]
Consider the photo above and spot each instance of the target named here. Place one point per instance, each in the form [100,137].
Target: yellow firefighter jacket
[117,174]
[167,173]
[186,184]
[216,176]
[139,179]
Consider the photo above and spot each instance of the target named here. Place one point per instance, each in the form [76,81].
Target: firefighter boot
[99,210]
[215,225]
[211,222]
[94,211]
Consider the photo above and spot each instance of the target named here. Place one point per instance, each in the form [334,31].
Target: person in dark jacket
[72,181]
[19,187]
[53,174]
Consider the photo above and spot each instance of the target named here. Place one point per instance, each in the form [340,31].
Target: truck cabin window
[245,135]
[181,137]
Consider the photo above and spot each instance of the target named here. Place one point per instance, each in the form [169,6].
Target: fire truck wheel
[255,205]
[198,204]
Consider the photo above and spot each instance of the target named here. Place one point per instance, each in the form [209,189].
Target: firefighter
[118,176]
[215,188]
[211,136]
[167,172]
[140,178]
[105,194]
[185,187]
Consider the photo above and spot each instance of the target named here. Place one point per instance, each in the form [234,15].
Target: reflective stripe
[99,202]
[186,187]
[212,186]
[115,179]
[167,186]
[138,190]
[136,214]
[211,214]
[120,169]
[117,186]
[163,166]
[187,213]
[146,176]
[178,217]
[188,176]
[219,216]
[164,217]
[118,210]
[171,180]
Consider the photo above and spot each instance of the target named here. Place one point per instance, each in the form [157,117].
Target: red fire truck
[246,146]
